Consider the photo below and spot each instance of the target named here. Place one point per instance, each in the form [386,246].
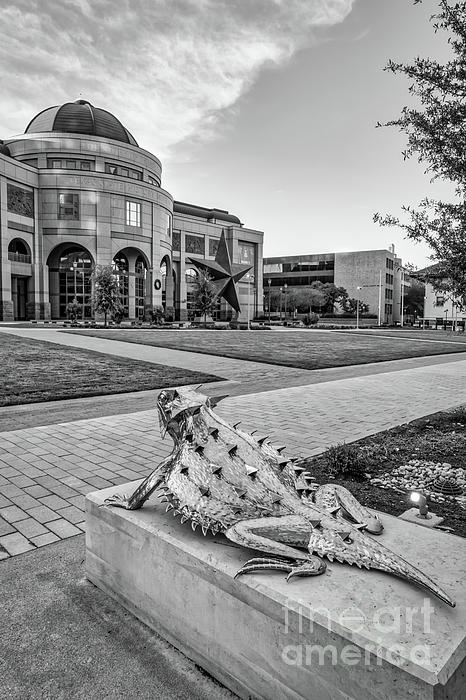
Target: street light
[74,269]
[250,278]
[281,303]
[269,282]
[357,308]
[285,288]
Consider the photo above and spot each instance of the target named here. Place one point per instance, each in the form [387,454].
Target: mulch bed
[439,438]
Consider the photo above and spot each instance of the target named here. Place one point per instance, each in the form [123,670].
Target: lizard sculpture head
[177,407]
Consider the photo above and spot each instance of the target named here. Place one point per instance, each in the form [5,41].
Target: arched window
[18,251]
[120,263]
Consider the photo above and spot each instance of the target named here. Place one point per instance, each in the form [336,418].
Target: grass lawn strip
[35,370]
[437,438]
[300,349]
[419,335]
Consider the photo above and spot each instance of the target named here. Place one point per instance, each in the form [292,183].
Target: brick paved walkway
[45,471]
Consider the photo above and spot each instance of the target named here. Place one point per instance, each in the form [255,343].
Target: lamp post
[269,282]
[250,279]
[380,298]
[357,308]
[285,288]
[281,303]
[400,269]
[75,268]
[82,305]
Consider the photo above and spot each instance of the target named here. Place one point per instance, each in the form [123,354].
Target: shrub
[310,319]
[73,310]
[346,461]
[169,313]
[156,314]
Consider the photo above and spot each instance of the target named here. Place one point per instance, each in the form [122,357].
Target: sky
[266,108]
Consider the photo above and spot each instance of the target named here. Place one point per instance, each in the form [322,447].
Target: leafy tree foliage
[204,295]
[436,132]
[351,305]
[414,298]
[318,296]
[106,298]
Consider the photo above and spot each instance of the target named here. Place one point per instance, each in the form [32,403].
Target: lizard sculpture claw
[226,481]
[299,567]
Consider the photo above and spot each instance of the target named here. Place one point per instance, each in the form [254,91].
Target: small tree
[106,298]
[310,298]
[334,295]
[73,309]
[204,295]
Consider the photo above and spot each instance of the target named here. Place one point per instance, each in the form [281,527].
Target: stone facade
[73,202]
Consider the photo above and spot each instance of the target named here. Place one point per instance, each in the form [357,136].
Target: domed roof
[80,117]
[4,150]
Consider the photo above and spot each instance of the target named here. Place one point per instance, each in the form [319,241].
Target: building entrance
[19,293]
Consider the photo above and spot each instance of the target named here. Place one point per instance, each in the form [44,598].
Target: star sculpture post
[223,272]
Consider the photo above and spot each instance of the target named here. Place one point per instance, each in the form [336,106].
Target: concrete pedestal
[348,634]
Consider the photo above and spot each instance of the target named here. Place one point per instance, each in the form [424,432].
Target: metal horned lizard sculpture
[228,481]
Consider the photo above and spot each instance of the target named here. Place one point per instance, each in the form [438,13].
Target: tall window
[121,271]
[140,286]
[247,253]
[191,278]
[75,270]
[133,213]
[68,206]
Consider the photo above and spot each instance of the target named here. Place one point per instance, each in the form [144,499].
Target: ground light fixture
[421,501]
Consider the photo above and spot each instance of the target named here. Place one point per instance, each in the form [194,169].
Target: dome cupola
[80,117]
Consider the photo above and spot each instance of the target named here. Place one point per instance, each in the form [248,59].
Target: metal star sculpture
[223,272]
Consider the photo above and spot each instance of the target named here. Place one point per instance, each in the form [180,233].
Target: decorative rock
[426,476]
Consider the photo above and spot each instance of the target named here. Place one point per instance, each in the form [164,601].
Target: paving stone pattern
[46,471]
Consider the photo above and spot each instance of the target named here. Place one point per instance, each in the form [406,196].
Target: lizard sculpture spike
[225,480]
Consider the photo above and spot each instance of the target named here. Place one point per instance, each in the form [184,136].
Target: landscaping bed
[301,349]
[438,440]
[35,370]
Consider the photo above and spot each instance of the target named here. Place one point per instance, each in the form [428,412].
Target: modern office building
[378,273]
[76,192]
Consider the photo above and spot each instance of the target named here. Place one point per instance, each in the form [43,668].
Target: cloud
[165,68]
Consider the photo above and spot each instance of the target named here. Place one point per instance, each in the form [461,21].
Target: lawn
[302,349]
[439,438]
[417,334]
[34,370]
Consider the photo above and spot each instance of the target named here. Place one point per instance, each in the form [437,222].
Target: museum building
[76,192]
